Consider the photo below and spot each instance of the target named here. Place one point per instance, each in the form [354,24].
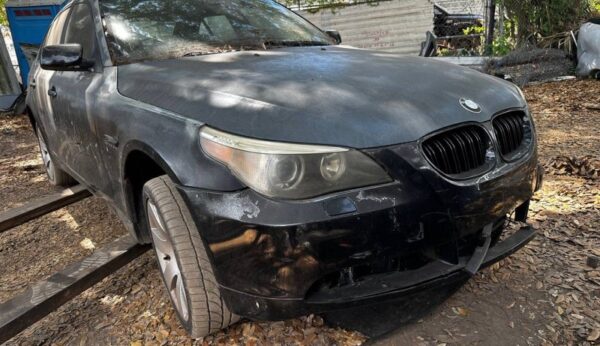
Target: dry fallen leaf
[460,311]
[594,335]
[87,244]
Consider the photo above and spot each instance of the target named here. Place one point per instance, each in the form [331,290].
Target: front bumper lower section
[280,259]
[376,288]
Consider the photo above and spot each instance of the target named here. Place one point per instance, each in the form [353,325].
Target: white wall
[397,26]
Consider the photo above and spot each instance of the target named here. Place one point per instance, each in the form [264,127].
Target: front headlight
[291,171]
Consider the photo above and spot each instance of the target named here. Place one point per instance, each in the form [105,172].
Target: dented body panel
[276,258]
[273,253]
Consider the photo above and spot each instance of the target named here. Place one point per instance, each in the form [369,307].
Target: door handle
[52,92]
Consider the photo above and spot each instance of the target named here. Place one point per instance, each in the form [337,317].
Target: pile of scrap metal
[588,49]
[451,31]
[530,64]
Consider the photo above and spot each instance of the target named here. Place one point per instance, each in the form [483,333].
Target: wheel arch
[140,164]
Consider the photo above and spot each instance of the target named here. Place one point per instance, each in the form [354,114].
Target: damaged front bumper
[279,259]
[376,288]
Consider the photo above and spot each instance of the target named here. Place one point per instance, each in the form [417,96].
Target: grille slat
[459,150]
[510,132]
[472,149]
[464,161]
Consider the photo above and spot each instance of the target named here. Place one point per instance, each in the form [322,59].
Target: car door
[73,95]
[39,86]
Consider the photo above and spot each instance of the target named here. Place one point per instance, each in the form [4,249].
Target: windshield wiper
[284,43]
[198,53]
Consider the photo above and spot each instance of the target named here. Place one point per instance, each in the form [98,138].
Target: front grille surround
[513,133]
[502,148]
[461,152]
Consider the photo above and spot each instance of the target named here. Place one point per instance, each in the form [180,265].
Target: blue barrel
[29,21]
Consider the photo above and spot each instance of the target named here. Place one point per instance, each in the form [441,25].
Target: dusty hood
[337,96]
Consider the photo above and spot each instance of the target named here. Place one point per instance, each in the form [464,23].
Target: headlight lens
[291,171]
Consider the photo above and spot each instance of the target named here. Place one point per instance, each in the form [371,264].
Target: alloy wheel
[167,261]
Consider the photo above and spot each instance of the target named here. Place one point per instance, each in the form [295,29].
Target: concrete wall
[397,26]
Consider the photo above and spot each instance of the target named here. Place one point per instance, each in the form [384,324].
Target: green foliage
[502,46]
[595,4]
[475,29]
[505,43]
[3,20]
[535,18]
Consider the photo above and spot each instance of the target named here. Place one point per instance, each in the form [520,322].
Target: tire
[596,75]
[56,176]
[183,261]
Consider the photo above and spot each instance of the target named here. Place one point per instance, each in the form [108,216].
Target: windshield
[157,29]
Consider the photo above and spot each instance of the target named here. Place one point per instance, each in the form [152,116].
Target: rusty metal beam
[18,216]
[46,296]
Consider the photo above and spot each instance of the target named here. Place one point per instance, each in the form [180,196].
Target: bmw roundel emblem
[470,105]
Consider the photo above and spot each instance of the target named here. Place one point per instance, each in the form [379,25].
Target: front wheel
[183,261]
[56,176]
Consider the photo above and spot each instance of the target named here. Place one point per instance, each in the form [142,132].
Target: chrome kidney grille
[459,150]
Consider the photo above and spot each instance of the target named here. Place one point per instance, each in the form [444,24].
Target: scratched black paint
[275,258]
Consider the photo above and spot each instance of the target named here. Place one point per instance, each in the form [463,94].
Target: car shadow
[378,320]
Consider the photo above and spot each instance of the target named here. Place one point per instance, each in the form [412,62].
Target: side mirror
[63,57]
[334,35]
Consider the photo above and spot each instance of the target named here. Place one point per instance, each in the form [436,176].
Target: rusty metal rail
[18,216]
[47,295]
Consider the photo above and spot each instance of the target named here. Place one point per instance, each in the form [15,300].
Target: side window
[55,32]
[80,29]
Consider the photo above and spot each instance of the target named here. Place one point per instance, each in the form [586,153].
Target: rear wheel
[596,74]
[56,176]
[183,260]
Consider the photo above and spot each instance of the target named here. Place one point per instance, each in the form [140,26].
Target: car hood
[333,96]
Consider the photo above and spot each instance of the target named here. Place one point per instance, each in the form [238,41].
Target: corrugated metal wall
[397,26]
[463,6]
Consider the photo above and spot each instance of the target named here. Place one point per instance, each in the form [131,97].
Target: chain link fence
[454,27]
[459,27]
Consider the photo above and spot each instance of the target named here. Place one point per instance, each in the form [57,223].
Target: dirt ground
[545,294]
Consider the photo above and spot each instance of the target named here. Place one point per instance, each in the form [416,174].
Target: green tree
[596,7]
[534,18]
[3,20]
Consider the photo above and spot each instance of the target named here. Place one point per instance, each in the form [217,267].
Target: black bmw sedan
[277,172]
